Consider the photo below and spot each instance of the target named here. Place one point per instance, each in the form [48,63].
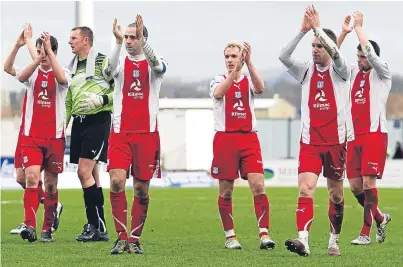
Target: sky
[191,35]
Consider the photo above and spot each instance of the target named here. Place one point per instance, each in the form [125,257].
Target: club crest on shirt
[44,84]
[362,83]
[238,95]
[136,73]
[320,84]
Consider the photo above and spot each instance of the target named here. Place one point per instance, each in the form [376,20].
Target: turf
[183,229]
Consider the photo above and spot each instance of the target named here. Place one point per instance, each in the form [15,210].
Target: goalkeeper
[89,103]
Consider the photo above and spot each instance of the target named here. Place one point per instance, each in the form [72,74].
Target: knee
[356,190]
[83,173]
[258,189]
[140,191]
[336,196]
[50,188]
[227,194]
[32,179]
[306,190]
[116,185]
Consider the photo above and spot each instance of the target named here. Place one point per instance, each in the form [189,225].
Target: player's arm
[340,63]
[257,81]
[155,63]
[345,30]
[29,70]
[58,71]
[68,104]
[296,68]
[218,89]
[376,62]
[28,40]
[114,59]
[9,63]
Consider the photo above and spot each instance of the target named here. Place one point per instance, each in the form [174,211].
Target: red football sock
[139,216]
[370,208]
[41,193]
[225,209]
[304,213]
[31,203]
[262,212]
[50,205]
[119,213]
[378,215]
[336,216]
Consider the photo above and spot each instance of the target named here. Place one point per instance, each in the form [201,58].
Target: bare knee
[50,182]
[32,179]
[118,180]
[306,190]
[141,190]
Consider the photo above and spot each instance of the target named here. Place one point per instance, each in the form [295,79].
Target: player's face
[45,63]
[232,55]
[362,61]
[319,54]
[132,42]
[77,42]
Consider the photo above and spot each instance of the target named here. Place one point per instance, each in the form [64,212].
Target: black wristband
[105,99]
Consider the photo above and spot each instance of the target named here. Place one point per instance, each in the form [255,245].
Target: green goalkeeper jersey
[99,84]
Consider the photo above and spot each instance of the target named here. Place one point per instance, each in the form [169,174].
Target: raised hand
[139,27]
[20,40]
[27,31]
[306,25]
[45,37]
[358,19]
[43,54]
[117,31]
[247,50]
[313,17]
[346,28]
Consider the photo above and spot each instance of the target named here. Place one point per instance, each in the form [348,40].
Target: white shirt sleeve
[252,88]
[380,66]
[214,83]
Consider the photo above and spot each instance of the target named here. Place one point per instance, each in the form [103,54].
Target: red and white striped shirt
[369,94]
[324,103]
[235,111]
[136,96]
[44,111]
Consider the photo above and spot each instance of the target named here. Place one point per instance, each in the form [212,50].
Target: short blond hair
[234,44]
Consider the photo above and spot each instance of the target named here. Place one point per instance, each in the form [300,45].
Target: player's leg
[373,162]
[252,169]
[310,166]
[120,158]
[334,167]
[32,161]
[50,205]
[93,149]
[20,178]
[335,213]
[53,165]
[145,166]
[103,233]
[225,168]
[226,188]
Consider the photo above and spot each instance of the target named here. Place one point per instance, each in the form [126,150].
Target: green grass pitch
[183,229]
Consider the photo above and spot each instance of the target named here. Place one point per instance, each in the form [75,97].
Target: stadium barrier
[278,173]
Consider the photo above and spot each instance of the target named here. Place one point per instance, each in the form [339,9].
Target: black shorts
[89,137]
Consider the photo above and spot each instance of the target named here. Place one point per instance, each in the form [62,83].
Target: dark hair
[145,31]
[87,32]
[374,45]
[53,43]
[331,35]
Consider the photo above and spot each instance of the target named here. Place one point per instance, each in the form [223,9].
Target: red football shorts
[235,153]
[331,158]
[47,153]
[140,150]
[366,155]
